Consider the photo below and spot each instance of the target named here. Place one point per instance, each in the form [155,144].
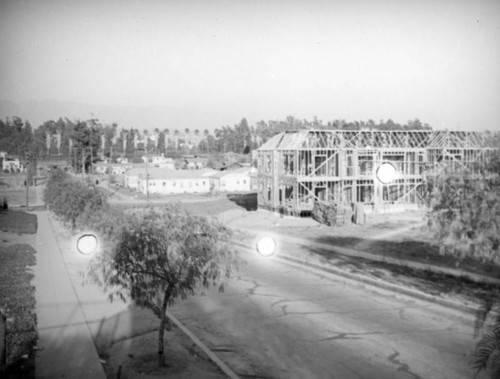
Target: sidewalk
[65,345]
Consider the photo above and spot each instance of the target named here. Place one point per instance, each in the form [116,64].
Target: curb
[225,368]
[375,284]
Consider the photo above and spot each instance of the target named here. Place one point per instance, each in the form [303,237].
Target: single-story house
[11,165]
[237,180]
[162,162]
[168,182]
[114,169]
[194,163]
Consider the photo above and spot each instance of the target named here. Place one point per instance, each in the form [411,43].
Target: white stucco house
[167,181]
[114,169]
[11,165]
[100,168]
[237,180]
[163,162]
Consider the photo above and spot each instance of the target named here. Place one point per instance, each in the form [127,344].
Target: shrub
[17,298]
[72,201]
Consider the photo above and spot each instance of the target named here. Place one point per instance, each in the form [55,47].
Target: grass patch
[204,207]
[424,280]
[18,222]
[17,196]
[415,251]
[17,298]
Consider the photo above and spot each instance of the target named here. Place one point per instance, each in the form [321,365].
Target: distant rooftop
[164,173]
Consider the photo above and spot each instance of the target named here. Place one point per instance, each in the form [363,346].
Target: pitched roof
[238,171]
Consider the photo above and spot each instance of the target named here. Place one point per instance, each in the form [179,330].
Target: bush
[17,298]
[72,201]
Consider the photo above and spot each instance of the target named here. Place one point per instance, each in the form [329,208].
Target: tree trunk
[163,321]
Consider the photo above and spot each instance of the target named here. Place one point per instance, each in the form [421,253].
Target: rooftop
[352,139]
[165,173]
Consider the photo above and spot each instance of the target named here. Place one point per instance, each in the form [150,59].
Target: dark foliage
[18,300]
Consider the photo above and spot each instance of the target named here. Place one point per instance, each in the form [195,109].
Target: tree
[465,213]
[16,137]
[486,355]
[86,142]
[70,200]
[162,255]
[464,216]
[161,143]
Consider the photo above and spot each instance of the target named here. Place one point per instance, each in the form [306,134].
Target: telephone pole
[28,169]
[147,175]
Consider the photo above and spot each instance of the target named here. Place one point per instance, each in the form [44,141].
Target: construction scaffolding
[297,168]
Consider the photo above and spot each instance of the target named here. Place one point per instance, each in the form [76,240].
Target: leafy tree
[486,355]
[86,142]
[16,137]
[56,183]
[464,216]
[70,199]
[109,132]
[162,255]
[464,213]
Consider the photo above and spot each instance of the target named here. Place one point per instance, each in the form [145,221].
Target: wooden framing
[296,168]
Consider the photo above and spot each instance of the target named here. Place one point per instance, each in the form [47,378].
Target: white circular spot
[266,246]
[386,173]
[87,244]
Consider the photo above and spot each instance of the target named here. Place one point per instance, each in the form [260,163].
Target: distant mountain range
[37,112]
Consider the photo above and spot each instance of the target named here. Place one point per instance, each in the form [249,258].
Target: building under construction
[297,168]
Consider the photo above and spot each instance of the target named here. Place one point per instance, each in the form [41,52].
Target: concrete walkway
[66,347]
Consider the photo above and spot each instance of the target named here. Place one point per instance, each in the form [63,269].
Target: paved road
[277,321]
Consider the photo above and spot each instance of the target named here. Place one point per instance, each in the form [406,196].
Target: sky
[438,61]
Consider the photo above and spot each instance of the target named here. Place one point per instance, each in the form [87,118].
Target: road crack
[402,366]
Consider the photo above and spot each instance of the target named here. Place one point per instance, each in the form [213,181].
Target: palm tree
[176,134]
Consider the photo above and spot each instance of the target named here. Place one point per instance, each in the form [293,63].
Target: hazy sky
[354,60]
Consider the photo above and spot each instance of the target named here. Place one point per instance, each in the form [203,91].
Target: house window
[244,182]
[173,183]
[203,182]
[196,184]
[164,184]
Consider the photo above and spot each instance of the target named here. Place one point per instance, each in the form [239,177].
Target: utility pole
[28,164]
[91,168]
[147,175]
[83,166]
